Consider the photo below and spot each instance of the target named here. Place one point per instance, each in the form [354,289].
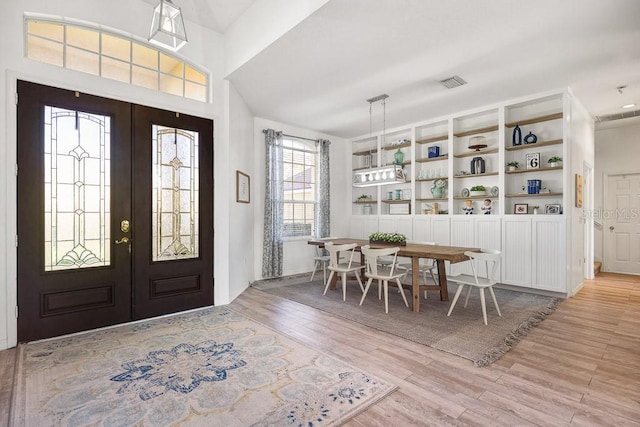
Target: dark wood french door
[115,212]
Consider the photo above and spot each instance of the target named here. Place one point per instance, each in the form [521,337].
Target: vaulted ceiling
[319,74]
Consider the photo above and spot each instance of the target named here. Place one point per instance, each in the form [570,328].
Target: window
[299,176]
[112,56]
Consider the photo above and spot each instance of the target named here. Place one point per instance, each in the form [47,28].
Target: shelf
[432,179]
[394,202]
[535,144]
[477,131]
[395,147]
[539,119]
[534,170]
[485,196]
[533,195]
[365,152]
[368,202]
[476,153]
[432,199]
[432,159]
[433,139]
[473,175]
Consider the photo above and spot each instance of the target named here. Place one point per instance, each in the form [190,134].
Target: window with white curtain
[300,195]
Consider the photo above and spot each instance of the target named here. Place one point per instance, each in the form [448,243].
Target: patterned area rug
[208,367]
[463,333]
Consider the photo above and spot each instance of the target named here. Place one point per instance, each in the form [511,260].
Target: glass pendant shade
[167,26]
[390,174]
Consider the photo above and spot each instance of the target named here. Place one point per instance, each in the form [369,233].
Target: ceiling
[320,73]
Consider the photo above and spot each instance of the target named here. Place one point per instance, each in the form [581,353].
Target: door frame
[76,81]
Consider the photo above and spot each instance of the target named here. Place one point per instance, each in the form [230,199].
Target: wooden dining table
[415,251]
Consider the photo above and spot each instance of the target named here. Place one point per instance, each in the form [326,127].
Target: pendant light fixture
[382,175]
[167,26]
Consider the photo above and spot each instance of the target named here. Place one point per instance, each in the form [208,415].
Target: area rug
[463,333]
[208,367]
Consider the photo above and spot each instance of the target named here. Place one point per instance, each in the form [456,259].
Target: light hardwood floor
[581,366]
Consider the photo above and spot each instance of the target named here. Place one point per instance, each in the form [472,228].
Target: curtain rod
[293,136]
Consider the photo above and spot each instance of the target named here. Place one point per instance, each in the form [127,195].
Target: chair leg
[315,267]
[466,300]
[402,292]
[379,289]
[328,282]
[366,289]
[324,271]
[484,307]
[455,298]
[385,284]
[359,280]
[495,302]
[344,286]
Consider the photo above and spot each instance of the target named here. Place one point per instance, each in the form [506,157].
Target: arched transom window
[113,56]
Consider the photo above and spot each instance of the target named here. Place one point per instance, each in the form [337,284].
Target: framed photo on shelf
[243,188]
[532,160]
[553,209]
[521,208]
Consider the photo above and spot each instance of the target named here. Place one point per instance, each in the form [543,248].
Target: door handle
[611,228]
[123,240]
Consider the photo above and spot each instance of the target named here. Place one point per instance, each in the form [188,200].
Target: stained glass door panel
[77,188]
[175,194]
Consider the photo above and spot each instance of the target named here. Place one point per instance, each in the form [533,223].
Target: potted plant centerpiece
[478,190]
[554,161]
[395,239]
[512,165]
[365,198]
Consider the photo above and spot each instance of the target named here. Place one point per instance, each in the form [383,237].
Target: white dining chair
[383,274]
[321,259]
[491,260]
[342,268]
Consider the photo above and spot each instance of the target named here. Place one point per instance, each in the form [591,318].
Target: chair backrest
[491,259]
[371,258]
[320,252]
[334,250]
[427,261]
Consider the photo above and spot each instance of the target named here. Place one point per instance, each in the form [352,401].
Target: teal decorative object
[398,157]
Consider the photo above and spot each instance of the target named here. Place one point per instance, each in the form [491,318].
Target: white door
[622,224]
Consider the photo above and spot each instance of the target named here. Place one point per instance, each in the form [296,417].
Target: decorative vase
[511,168]
[367,209]
[477,193]
[553,164]
[398,157]
[531,138]
[516,138]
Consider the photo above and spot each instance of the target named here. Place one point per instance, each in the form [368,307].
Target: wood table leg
[415,282]
[442,280]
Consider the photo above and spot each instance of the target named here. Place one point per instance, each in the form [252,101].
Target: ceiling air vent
[618,116]
[452,82]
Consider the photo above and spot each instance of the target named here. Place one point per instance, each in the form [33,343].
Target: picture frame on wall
[552,209]
[521,208]
[578,190]
[243,187]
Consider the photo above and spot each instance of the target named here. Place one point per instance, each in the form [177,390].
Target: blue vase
[531,138]
[516,138]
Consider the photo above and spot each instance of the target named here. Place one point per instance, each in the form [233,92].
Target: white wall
[617,151]
[581,146]
[241,215]
[205,47]
[298,255]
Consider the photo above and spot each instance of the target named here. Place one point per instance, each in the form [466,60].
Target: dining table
[415,251]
